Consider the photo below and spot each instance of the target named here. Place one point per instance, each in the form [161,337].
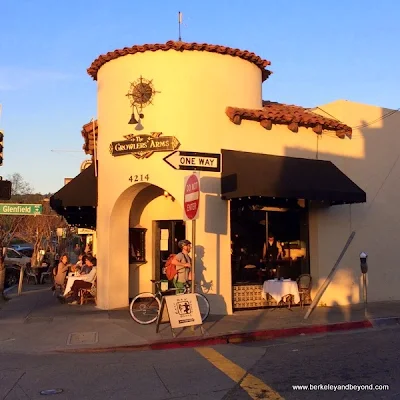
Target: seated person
[85,268]
[60,272]
[81,267]
[86,282]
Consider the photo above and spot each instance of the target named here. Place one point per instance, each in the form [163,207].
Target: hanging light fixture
[134,121]
[139,125]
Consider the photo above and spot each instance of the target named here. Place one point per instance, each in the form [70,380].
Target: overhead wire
[365,125]
[389,173]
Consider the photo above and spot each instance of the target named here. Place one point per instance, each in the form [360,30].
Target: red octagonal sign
[192,197]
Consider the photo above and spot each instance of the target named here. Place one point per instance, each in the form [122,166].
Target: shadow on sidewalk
[38,301]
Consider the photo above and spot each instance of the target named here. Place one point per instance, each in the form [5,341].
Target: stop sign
[192,197]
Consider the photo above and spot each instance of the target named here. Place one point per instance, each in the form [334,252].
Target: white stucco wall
[195,89]
[144,211]
[371,160]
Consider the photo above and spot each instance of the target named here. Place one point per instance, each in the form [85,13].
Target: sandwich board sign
[183,310]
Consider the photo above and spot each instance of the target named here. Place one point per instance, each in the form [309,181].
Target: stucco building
[312,176]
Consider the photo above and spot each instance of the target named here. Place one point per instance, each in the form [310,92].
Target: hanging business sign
[143,145]
[85,231]
[86,164]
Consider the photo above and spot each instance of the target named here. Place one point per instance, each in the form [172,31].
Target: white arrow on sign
[194,161]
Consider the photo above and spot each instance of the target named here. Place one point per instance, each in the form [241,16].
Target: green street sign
[20,209]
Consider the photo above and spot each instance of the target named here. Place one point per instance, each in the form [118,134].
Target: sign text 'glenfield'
[20,209]
[143,146]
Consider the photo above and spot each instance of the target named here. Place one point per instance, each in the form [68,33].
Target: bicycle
[145,307]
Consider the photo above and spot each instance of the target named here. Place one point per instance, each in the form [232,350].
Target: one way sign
[192,161]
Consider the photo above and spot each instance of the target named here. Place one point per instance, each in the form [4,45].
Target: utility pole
[5,186]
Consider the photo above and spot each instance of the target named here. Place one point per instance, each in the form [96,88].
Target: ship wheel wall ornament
[141,92]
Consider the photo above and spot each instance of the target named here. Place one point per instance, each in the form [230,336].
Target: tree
[38,230]
[18,185]
[9,225]
[32,229]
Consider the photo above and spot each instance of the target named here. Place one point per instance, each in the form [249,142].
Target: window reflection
[137,245]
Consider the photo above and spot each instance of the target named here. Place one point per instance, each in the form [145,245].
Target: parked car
[13,257]
[12,275]
[13,262]
[26,251]
[19,247]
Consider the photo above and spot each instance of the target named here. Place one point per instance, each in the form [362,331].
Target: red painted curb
[276,333]
[230,338]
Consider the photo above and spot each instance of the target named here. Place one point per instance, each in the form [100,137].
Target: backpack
[170,269]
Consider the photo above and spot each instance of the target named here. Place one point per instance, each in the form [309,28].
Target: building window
[137,245]
[252,224]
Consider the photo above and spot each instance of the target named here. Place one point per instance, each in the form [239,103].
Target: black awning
[77,200]
[83,217]
[249,174]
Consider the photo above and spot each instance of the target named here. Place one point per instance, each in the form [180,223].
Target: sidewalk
[37,322]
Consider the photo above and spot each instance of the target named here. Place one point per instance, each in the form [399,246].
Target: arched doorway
[136,236]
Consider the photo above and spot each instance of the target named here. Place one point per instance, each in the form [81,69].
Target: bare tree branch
[18,185]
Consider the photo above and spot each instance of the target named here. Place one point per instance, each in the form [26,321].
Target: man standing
[183,263]
[272,251]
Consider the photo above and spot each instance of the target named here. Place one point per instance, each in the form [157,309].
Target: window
[13,254]
[137,245]
[26,252]
[250,226]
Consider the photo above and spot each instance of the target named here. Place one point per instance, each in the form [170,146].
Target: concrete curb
[230,338]
[385,321]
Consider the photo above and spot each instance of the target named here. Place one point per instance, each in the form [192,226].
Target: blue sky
[320,51]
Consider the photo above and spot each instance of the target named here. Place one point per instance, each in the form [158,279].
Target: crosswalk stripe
[254,387]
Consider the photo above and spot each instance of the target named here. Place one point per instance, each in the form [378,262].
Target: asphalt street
[262,370]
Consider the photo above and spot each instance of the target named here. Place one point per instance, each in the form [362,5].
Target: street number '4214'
[139,178]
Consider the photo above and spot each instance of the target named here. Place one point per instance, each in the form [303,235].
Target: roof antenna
[179,25]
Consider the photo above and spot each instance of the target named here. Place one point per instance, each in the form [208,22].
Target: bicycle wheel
[204,306]
[144,308]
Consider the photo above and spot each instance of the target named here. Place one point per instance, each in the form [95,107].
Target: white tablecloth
[278,289]
[71,279]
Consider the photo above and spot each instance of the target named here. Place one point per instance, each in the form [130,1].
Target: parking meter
[363,262]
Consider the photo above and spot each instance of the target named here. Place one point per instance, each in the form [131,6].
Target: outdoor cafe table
[279,288]
[72,277]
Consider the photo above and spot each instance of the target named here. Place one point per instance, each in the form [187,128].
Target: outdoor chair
[304,284]
[29,273]
[87,295]
[58,289]
[48,273]
[286,301]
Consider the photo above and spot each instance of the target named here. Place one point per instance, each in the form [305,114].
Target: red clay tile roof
[180,46]
[271,113]
[293,116]
[87,133]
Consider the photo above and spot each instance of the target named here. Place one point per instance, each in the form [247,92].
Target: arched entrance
[134,242]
